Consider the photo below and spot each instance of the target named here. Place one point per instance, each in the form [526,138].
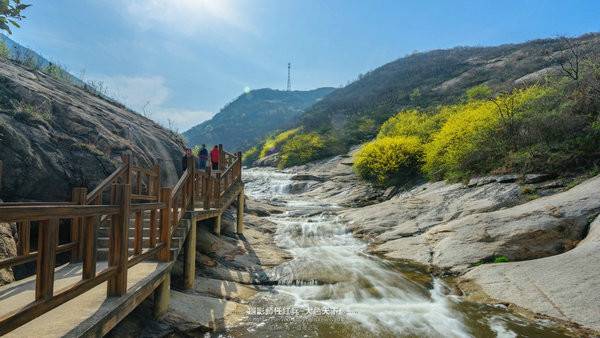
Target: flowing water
[334,288]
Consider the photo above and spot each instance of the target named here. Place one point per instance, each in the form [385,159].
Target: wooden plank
[145,206]
[40,213]
[165,238]
[90,236]
[144,197]
[17,260]
[47,241]
[146,253]
[118,255]
[19,317]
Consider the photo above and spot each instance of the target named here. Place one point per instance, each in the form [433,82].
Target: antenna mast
[289,83]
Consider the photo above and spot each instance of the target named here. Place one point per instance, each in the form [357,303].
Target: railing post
[46,259]
[89,246]
[238,166]
[165,215]
[190,257]
[240,213]
[127,160]
[191,181]
[118,251]
[221,158]
[218,190]
[207,186]
[77,197]
[24,237]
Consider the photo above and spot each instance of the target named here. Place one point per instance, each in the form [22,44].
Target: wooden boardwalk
[144,227]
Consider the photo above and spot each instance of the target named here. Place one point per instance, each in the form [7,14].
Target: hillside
[428,79]
[435,81]
[52,132]
[254,115]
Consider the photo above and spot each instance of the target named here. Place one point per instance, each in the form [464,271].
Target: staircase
[103,239]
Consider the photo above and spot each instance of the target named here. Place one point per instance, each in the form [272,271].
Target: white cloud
[182,119]
[137,92]
[148,95]
[185,16]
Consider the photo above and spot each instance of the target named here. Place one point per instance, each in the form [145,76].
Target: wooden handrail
[85,212]
[180,184]
[44,212]
[106,183]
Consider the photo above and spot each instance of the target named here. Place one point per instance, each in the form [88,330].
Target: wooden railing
[129,191]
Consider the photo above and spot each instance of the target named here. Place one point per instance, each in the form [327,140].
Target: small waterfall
[331,270]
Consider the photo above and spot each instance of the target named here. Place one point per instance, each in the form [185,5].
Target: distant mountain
[254,115]
[352,114]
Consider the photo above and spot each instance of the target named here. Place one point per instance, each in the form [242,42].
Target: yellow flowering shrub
[413,123]
[471,125]
[389,160]
[275,142]
[300,149]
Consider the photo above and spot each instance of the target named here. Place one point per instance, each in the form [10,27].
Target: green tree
[10,13]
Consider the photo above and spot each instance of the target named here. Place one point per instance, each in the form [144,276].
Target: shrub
[272,144]
[480,92]
[478,134]
[250,155]
[412,123]
[389,160]
[32,114]
[300,149]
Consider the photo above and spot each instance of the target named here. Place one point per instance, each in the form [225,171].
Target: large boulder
[564,286]
[55,136]
[8,249]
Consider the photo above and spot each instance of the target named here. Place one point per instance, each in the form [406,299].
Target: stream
[334,288]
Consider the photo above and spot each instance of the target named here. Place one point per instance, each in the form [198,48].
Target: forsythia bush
[250,155]
[389,159]
[300,149]
[470,138]
[273,143]
[413,123]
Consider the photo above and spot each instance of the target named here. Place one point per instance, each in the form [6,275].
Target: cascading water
[344,291]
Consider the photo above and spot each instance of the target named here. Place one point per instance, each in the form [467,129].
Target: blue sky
[185,59]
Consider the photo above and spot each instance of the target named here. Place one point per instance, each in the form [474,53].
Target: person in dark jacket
[184,159]
[202,157]
[214,157]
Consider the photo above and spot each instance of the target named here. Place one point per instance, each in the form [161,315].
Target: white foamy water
[331,269]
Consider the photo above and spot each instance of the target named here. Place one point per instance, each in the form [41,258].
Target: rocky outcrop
[55,136]
[543,227]
[267,161]
[564,286]
[8,249]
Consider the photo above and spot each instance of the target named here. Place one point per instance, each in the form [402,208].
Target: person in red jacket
[214,157]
